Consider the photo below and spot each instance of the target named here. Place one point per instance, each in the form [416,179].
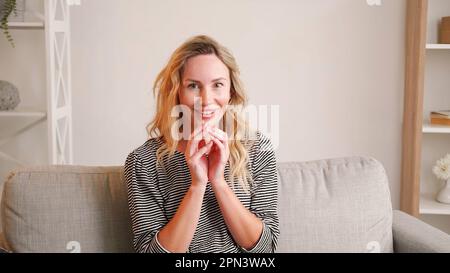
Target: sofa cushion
[336,205]
[65,209]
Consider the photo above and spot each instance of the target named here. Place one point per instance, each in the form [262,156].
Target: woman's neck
[181,147]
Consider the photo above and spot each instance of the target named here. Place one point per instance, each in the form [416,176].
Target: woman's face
[205,88]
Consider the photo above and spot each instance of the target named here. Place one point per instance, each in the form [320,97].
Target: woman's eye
[219,84]
[193,86]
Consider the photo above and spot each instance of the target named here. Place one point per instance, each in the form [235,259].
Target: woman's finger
[196,132]
[219,134]
[206,136]
[218,142]
[201,151]
[192,145]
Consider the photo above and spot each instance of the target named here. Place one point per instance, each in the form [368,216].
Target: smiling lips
[207,114]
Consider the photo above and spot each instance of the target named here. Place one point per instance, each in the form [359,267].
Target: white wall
[336,69]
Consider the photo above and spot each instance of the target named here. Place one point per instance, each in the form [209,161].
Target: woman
[212,188]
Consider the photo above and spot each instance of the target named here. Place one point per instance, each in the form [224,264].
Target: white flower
[442,168]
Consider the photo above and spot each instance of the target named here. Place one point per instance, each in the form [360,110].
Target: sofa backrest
[336,205]
[65,209]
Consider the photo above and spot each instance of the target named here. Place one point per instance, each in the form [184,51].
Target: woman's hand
[218,156]
[196,157]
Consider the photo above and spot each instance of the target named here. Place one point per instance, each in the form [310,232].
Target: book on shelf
[440,117]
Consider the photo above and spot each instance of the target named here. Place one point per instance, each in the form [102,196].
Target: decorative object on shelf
[444,33]
[440,117]
[442,171]
[9,96]
[13,11]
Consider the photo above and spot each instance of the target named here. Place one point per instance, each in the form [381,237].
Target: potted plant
[6,8]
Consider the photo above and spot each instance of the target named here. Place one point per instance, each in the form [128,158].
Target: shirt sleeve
[145,204]
[264,197]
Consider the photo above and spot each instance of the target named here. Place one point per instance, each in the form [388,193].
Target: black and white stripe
[154,194]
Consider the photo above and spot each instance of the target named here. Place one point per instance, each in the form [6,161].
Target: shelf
[51,17]
[26,25]
[438,46]
[16,121]
[22,112]
[429,205]
[435,129]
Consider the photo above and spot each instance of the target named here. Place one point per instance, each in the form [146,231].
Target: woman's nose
[206,96]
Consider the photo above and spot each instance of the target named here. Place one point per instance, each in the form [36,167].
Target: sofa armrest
[2,240]
[3,245]
[413,235]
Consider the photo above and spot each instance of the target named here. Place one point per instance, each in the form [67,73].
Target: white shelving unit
[17,121]
[438,46]
[435,129]
[58,115]
[14,123]
[436,138]
[26,25]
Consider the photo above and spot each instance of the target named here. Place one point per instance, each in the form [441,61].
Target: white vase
[444,194]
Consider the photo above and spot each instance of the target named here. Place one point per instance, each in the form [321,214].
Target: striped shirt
[155,192]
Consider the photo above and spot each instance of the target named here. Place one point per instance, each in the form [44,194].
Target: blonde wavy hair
[166,87]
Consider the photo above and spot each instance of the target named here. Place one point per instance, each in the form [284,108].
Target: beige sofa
[334,205]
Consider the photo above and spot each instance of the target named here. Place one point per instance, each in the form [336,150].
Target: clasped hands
[206,154]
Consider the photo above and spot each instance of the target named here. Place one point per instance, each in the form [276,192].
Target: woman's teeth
[207,113]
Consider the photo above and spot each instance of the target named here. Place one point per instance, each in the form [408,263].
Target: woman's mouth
[207,114]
